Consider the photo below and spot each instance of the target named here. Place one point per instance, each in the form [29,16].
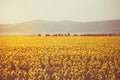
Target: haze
[16,11]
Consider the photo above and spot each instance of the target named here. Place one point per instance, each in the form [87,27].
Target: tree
[47,34]
[39,34]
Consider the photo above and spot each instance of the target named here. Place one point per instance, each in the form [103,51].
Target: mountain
[43,27]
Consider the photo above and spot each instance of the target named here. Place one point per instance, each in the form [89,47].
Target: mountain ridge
[45,26]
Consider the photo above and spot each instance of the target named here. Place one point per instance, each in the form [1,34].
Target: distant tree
[60,34]
[39,34]
[65,34]
[109,34]
[47,35]
[68,34]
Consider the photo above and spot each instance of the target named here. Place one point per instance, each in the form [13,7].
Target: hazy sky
[14,11]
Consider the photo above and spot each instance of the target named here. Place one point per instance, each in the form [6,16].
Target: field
[59,58]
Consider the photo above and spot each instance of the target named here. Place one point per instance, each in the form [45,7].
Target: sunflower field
[59,58]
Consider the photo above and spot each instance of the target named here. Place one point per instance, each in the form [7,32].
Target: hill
[43,27]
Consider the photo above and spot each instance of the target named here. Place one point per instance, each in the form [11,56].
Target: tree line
[68,34]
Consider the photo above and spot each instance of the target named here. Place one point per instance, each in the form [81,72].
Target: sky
[16,11]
